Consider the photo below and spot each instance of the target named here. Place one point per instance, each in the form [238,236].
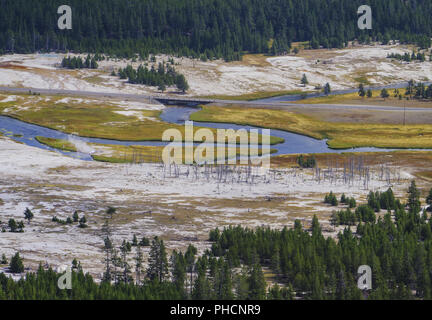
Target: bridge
[190,102]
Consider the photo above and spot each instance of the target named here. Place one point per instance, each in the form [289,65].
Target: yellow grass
[96,120]
[427,175]
[135,153]
[256,60]
[256,95]
[355,99]
[57,143]
[340,135]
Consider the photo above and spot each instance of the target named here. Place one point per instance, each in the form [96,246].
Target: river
[293,143]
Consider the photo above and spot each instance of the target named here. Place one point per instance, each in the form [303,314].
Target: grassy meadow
[340,135]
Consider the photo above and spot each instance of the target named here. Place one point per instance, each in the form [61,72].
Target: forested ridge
[396,245]
[213,28]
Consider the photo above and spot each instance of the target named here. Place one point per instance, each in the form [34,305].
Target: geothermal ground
[151,200]
[182,204]
[256,73]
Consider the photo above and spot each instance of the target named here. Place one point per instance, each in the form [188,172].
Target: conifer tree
[429,200]
[384,93]
[179,275]
[304,80]
[28,215]
[413,198]
[256,283]
[138,264]
[158,263]
[361,91]
[75,217]
[124,250]
[190,263]
[16,264]
[327,89]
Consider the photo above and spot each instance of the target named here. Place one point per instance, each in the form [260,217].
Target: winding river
[294,143]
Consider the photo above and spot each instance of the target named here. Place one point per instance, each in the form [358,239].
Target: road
[269,103]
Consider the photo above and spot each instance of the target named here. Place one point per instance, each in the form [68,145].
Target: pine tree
[275,260]
[179,275]
[162,87]
[117,265]
[274,293]
[256,283]
[343,198]
[124,250]
[242,286]
[87,63]
[190,263]
[108,246]
[28,215]
[158,263]
[181,83]
[361,91]
[327,89]
[16,265]
[316,228]
[429,200]
[201,290]
[13,226]
[134,240]
[384,93]
[414,204]
[145,242]
[93,64]
[75,216]
[83,222]
[138,264]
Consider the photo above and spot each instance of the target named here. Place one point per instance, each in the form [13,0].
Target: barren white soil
[341,68]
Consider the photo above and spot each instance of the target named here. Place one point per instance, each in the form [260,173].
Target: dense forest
[397,245]
[206,28]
